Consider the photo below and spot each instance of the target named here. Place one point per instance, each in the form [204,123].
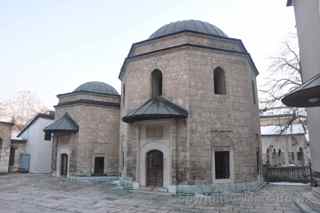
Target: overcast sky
[52,46]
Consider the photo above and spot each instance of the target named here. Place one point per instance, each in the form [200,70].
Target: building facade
[284,143]
[86,131]
[5,135]
[31,150]
[189,111]
[307,15]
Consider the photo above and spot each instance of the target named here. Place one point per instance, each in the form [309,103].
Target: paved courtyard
[39,193]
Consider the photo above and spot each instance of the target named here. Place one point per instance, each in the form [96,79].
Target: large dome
[188,25]
[97,87]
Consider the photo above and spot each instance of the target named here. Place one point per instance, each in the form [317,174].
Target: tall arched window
[156,82]
[219,81]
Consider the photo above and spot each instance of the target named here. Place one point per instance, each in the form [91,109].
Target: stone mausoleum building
[86,131]
[189,111]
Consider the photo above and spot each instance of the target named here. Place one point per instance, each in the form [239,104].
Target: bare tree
[22,107]
[283,76]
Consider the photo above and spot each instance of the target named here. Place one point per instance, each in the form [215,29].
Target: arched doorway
[154,167]
[64,165]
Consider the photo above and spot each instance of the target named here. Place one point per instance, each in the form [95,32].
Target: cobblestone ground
[43,194]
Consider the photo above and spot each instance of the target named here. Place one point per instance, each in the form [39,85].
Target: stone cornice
[245,53]
[89,102]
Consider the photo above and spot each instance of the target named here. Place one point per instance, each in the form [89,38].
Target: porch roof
[156,108]
[63,124]
[307,95]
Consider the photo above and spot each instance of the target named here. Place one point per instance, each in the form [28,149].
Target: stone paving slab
[25,193]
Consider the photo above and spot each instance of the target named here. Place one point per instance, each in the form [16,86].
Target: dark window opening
[222,164]
[254,92]
[219,81]
[99,166]
[47,136]
[300,155]
[156,83]
[12,156]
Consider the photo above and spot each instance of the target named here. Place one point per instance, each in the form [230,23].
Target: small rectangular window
[222,164]
[47,136]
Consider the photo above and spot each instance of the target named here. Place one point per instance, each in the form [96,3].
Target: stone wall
[98,133]
[215,121]
[5,136]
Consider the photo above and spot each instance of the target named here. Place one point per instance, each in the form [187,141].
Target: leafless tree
[283,76]
[22,107]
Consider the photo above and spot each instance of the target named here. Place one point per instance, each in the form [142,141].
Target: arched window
[219,81]
[156,82]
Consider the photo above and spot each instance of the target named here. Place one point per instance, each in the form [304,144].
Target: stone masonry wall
[215,121]
[98,134]
[5,135]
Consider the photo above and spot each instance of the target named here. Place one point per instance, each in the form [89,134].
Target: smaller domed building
[85,131]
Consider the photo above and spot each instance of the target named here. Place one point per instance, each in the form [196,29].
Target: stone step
[311,201]
[316,192]
[303,207]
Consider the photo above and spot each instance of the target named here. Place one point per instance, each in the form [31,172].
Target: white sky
[52,46]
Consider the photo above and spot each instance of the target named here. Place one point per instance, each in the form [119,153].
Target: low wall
[287,174]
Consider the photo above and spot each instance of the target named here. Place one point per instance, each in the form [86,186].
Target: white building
[33,152]
[284,141]
[307,13]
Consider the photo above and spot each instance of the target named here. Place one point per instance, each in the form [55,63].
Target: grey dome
[97,87]
[188,25]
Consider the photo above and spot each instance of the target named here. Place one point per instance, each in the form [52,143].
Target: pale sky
[52,46]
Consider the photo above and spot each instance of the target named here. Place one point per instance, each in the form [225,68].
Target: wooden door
[154,166]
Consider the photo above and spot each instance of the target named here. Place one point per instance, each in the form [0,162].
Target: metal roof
[49,116]
[156,108]
[63,124]
[188,25]
[307,95]
[97,87]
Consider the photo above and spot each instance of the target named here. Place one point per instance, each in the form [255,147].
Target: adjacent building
[30,150]
[86,131]
[307,15]
[284,138]
[5,135]
[189,111]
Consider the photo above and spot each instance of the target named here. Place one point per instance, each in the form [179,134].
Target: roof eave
[183,31]
[131,119]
